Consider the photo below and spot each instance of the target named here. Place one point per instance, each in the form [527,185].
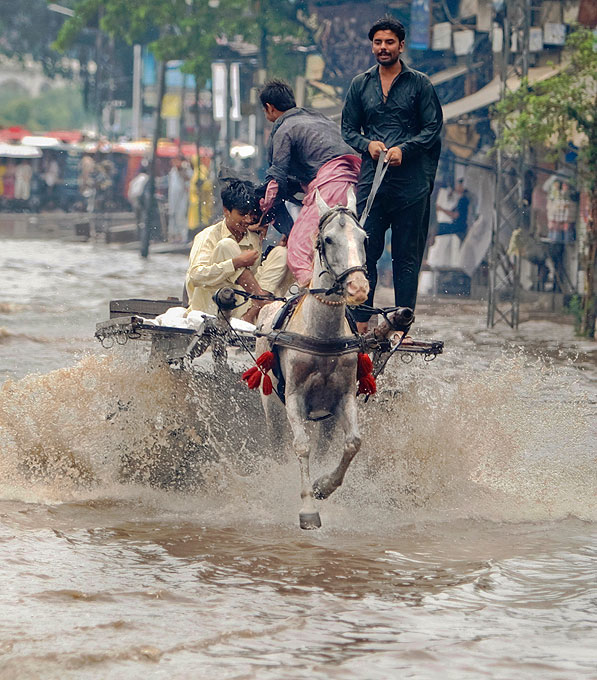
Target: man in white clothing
[228,254]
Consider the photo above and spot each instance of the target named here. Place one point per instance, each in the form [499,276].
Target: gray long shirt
[300,143]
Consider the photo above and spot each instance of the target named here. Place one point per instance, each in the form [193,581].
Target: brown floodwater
[148,530]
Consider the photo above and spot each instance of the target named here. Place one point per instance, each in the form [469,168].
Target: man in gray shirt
[306,152]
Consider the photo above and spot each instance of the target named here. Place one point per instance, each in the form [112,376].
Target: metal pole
[494,258]
[510,210]
[137,75]
[150,203]
[183,96]
[228,110]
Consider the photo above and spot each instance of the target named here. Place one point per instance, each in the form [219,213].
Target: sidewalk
[57,224]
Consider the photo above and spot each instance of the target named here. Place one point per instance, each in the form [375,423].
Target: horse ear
[351,200]
[322,206]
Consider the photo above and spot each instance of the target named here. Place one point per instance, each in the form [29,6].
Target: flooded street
[146,531]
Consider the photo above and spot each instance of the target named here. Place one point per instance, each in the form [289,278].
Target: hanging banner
[219,78]
[174,76]
[171,105]
[442,36]
[419,25]
[235,113]
[464,42]
[535,39]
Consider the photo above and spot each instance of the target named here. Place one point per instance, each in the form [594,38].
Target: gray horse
[321,385]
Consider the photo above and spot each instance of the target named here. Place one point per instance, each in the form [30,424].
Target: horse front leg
[295,410]
[325,485]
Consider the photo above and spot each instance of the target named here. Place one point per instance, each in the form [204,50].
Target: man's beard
[389,62]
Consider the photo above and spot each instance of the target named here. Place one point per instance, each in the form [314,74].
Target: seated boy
[228,254]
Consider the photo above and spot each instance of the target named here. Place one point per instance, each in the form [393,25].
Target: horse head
[341,248]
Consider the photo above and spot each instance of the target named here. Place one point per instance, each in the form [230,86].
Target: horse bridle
[339,279]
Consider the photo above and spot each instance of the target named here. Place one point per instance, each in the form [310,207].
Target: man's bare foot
[397,336]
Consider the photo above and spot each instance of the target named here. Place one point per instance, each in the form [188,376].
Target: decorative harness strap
[278,337]
[310,345]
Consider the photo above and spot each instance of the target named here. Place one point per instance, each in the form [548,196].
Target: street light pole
[150,202]
[137,74]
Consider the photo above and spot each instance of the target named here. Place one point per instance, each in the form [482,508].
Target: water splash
[506,442]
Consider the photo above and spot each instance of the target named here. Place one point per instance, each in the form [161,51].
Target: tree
[58,108]
[549,115]
[187,30]
[28,29]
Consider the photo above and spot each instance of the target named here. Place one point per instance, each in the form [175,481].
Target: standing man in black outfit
[395,109]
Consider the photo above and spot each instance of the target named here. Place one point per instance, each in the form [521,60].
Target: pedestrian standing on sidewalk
[394,109]
[178,196]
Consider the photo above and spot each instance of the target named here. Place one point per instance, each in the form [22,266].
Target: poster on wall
[535,39]
[419,25]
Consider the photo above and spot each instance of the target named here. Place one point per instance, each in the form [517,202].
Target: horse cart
[308,356]
[178,345]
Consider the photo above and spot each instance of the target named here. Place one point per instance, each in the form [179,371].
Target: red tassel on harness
[252,376]
[367,384]
[268,387]
[364,365]
[266,361]
[254,380]
[249,372]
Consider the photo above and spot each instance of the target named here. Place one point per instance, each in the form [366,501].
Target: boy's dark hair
[240,195]
[279,94]
[388,23]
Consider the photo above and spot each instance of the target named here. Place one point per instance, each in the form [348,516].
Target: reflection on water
[147,528]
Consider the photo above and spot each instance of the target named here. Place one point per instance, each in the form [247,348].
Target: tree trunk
[590,302]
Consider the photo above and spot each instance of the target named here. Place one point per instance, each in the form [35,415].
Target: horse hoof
[309,520]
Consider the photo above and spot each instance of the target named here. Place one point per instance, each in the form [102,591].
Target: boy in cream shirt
[228,254]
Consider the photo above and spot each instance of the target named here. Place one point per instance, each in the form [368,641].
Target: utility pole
[510,209]
[99,73]
[137,76]
[261,74]
[150,207]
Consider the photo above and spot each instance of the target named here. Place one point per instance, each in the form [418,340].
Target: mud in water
[149,529]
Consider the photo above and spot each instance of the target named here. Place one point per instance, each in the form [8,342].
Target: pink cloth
[333,180]
[271,192]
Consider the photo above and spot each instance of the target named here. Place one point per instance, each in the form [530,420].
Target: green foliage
[575,307]
[552,112]
[59,108]
[188,29]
